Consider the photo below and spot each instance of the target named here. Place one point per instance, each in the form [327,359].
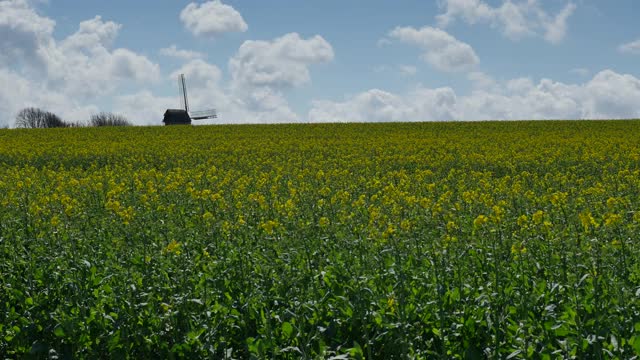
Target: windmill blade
[203,114]
[182,86]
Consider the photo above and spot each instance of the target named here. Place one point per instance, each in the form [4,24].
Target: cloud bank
[607,95]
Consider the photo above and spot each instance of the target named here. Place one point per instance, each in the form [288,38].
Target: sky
[322,61]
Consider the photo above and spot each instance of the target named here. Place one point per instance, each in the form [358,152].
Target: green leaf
[356,351]
[59,332]
[436,332]
[636,344]
[287,329]
[29,301]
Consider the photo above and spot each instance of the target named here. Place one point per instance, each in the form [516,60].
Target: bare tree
[108,119]
[37,118]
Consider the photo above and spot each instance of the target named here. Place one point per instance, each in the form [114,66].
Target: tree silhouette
[108,119]
[37,118]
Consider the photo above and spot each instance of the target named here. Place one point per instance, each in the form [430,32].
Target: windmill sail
[203,114]
[184,116]
[182,86]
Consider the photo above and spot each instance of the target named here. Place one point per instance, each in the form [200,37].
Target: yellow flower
[323,222]
[538,216]
[611,219]
[518,249]
[448,240]
[269,226]
[392,304]
[587,220]
[405,225]
[559,198]
[389,231]
[480,220]
[523,220]
[451,226]
[173,248]
[498,213]
[207,216]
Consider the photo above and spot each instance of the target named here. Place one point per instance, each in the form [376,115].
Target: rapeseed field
[504,240]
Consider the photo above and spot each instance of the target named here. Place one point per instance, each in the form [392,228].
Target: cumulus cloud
[380,106]
[212,18]
[143,107]
[480,80]
[85,64]
[607,95]
[22,33]
[93,35]
[199,74]
[261,71]
[62,76]
[280,63]
[515,19]
[27,93]
[173,51]
[441,50]
[632,47]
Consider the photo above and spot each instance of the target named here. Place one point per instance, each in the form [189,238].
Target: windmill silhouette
[184,116]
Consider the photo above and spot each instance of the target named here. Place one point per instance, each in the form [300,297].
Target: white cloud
[443,51]
[380,106]
[262,70]
[519,86]
[607,95]
[632,47]
[556,30]
[199,74]
[26,93]
[93,35]
[144,108]
[515,19]
[481,80]
[612,95]
[212,18]
[280,63]
[173,51]
[22,33]
[69,76]
[85,65]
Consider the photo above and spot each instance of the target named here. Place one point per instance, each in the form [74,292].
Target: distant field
[380,241]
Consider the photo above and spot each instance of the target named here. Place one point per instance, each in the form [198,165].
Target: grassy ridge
[414,240]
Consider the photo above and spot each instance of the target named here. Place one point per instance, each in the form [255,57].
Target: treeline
[38,118]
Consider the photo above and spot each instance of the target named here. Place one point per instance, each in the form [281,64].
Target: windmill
[184,116]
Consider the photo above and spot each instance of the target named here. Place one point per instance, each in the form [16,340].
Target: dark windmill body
[184,116]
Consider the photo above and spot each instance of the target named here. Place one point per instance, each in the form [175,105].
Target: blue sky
[314,61]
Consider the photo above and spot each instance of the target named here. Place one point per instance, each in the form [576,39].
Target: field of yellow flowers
[380,241]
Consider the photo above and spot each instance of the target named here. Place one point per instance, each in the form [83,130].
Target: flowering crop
[417,240]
